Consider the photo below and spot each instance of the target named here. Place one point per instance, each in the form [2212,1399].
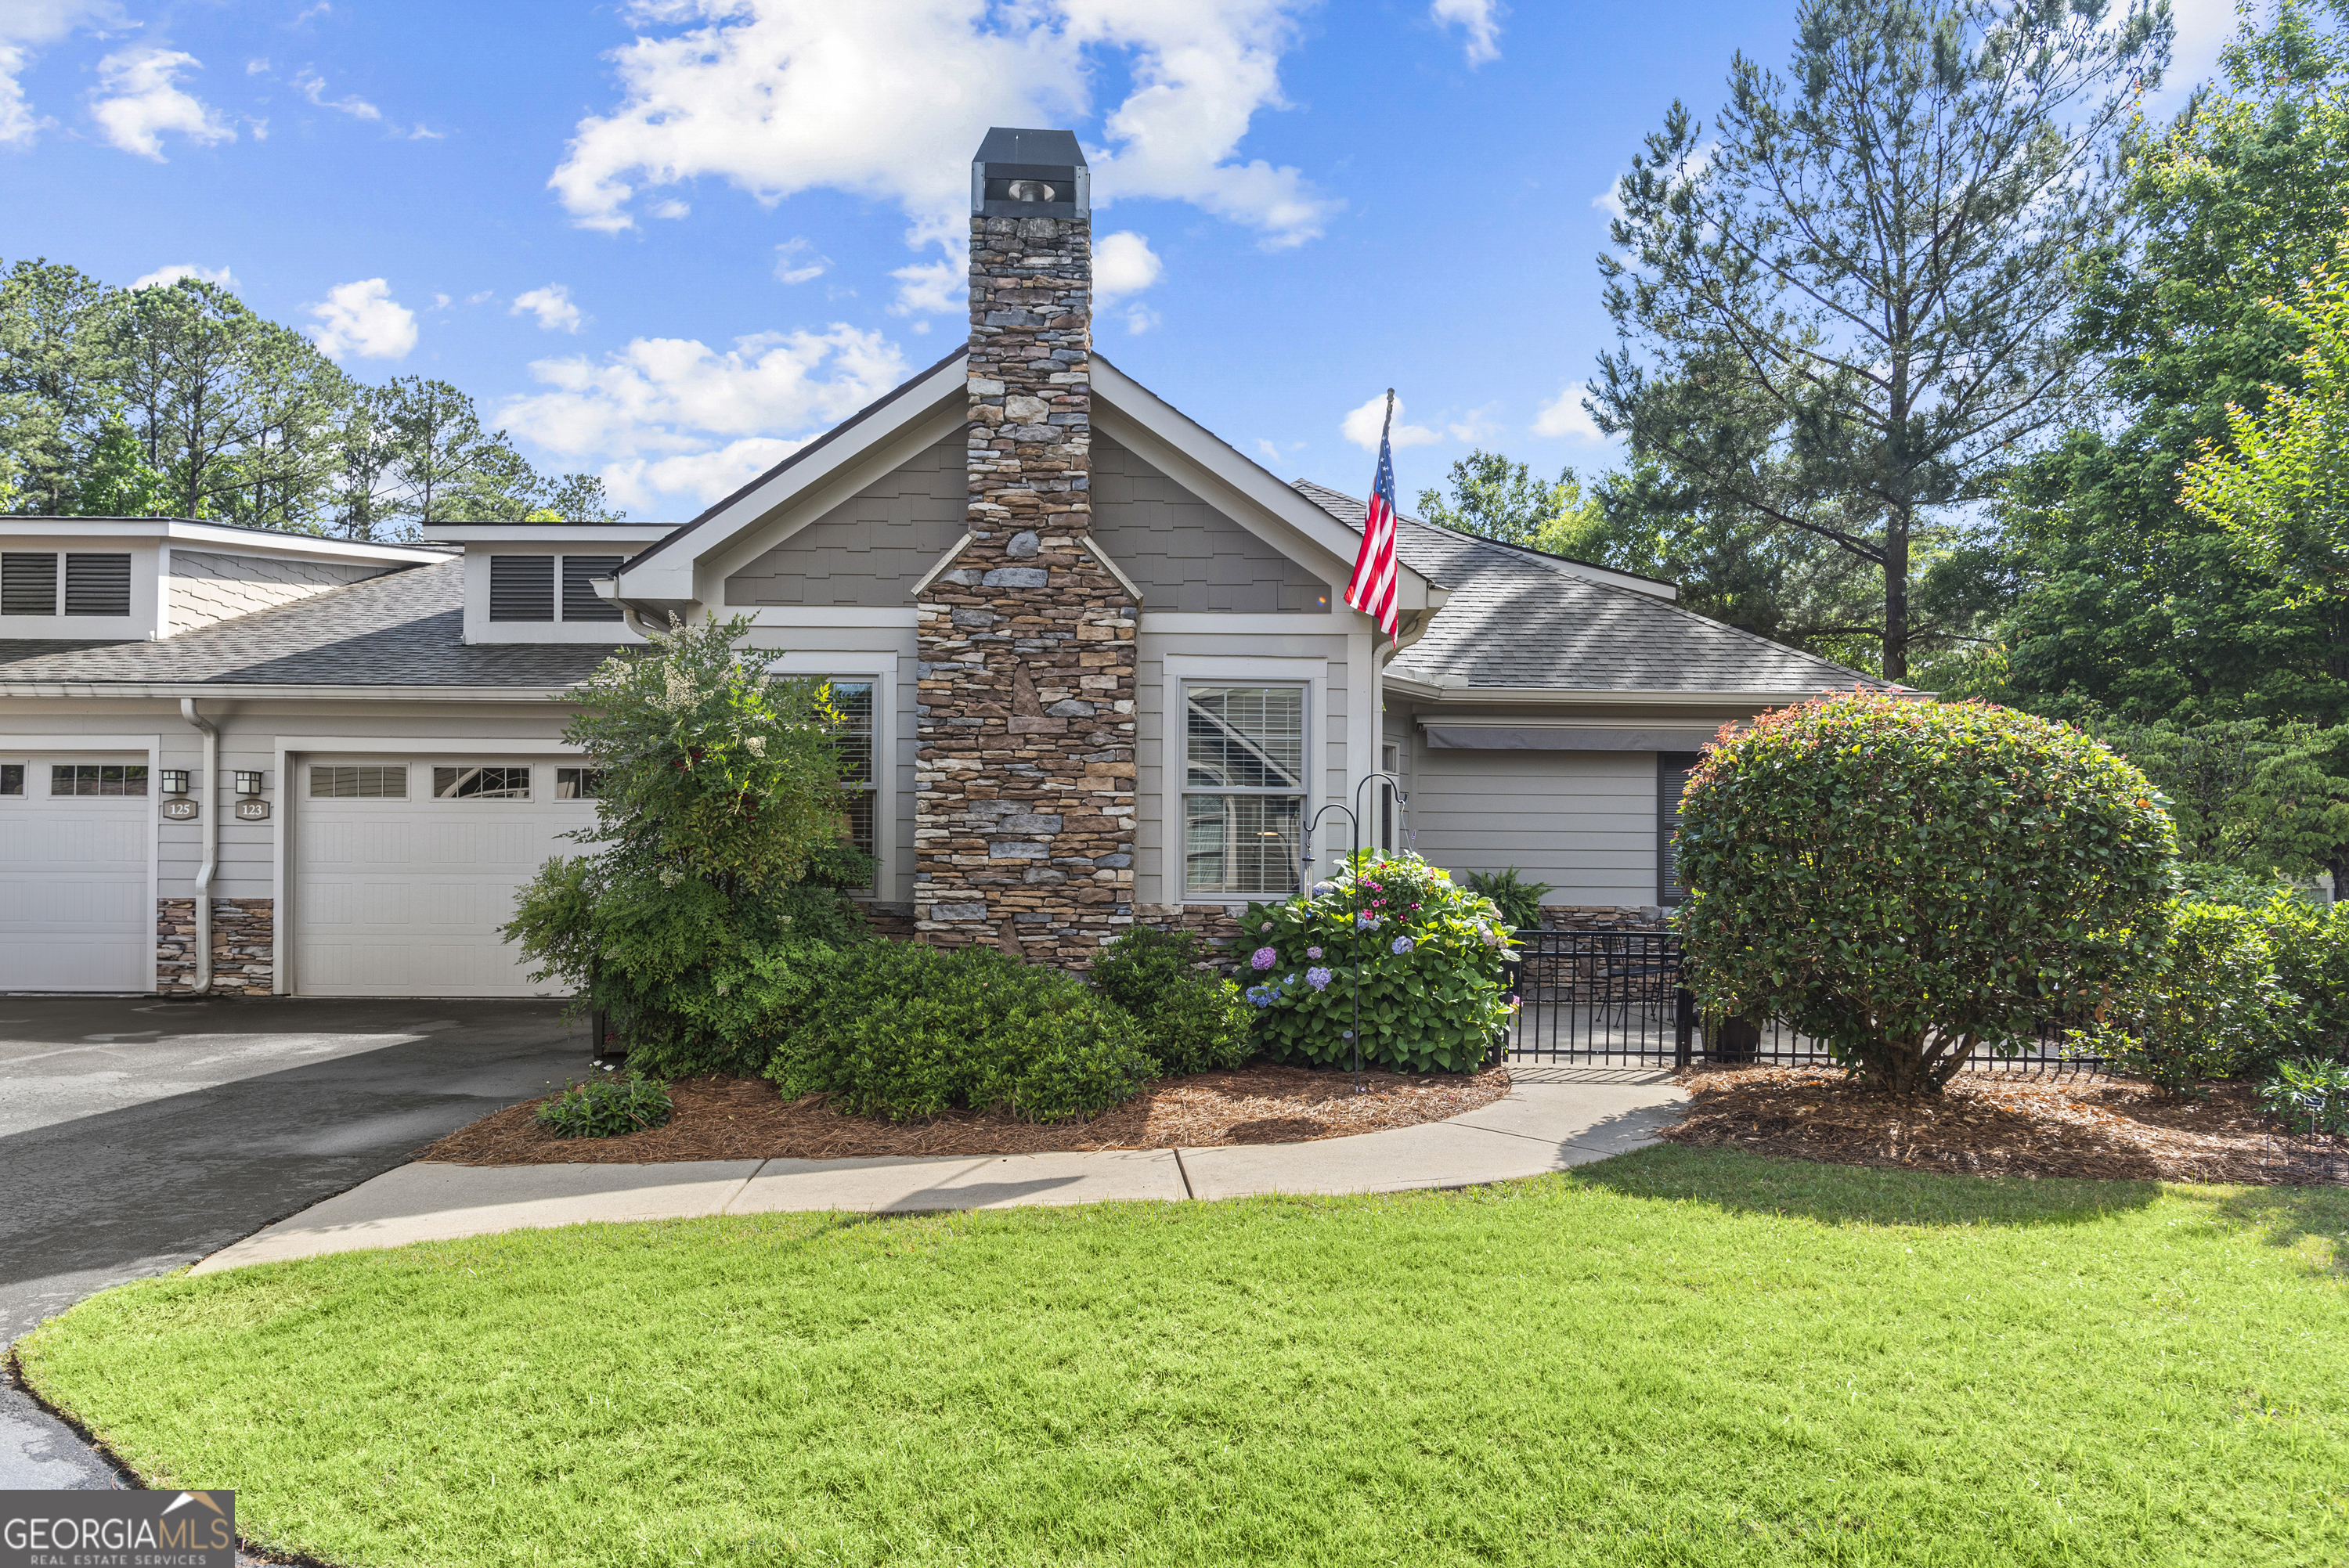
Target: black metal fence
[1614,998]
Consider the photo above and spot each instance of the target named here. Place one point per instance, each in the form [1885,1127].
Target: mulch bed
[745,1119]
[1991,1124]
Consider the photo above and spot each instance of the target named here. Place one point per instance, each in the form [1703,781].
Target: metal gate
[1614,998]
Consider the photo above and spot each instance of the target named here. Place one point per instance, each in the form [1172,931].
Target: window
[98,584]
[522,587]
[28,582]
[579,600]
[358,783]
[1244,790]
[12,779]
[578,783]
[1671,776]
[98,778]
[852,739]
[479,783]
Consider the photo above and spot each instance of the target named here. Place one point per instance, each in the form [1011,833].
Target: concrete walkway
[1553,1119]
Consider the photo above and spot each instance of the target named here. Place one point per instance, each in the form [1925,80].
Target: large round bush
[1913,882]
[1431,955]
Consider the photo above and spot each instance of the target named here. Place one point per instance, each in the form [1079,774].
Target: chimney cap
[1029,173]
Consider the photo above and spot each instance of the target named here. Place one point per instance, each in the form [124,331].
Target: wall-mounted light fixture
[175,780]
[252,809]
[248,783]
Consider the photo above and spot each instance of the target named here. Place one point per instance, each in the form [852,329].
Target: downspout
[210,776]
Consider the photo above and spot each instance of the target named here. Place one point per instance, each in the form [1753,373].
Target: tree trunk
[1896,595]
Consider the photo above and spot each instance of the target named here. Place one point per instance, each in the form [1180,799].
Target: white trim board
[1174,669]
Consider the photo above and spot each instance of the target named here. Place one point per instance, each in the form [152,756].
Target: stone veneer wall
[245,939]
[1601,917]
[1024,765]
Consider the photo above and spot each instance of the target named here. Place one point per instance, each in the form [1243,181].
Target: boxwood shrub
[1431,954]
[1193,1020]
[906,1031]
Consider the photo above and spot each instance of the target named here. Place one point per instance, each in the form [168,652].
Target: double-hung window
[1243,790]
[1672,769]
[851,737]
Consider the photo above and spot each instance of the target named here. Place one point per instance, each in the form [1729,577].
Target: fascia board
[675,564]
[552,533]
[152,530]
[1567,695]
[1208,456]
[221,689]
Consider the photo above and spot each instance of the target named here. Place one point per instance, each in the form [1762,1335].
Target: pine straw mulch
[1990,1123]
[746,1118]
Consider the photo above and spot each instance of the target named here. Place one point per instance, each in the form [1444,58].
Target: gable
[1184,554]
[871,549]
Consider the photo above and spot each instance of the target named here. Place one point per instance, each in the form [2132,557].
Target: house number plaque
[253,811]
[181,810]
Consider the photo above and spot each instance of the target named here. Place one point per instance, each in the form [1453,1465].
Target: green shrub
[2310,945]
[906,1031]
[1519,901]
[1192,1021]
[2309,1096]
[1912,881]
[1431,955]
[2209,1008]
[606,1107]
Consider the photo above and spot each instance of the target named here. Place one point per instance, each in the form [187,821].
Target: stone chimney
[1024,823]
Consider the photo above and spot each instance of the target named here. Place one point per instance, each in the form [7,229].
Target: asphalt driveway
[137,1135]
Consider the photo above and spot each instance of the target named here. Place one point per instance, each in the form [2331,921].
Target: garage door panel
[405,897]
[75,913]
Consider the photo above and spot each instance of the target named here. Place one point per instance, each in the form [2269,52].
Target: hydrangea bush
[1433,998]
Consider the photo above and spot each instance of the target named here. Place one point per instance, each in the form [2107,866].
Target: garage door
[76,834]
[404,868]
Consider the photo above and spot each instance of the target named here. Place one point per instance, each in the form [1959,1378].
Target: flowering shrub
[1431,955]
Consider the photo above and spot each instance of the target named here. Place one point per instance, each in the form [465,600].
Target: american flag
[1371,590]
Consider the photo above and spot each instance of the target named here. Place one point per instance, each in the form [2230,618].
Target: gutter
[1447,692]
[181,690]
[205,801]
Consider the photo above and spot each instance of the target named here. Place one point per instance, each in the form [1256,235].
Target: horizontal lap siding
[1584,822]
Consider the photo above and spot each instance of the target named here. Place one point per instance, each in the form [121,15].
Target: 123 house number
[253,811]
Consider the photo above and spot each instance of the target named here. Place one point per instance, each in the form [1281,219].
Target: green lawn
[1679,1357]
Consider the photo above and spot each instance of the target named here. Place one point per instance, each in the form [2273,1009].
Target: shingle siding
[1183,553]
[870,549]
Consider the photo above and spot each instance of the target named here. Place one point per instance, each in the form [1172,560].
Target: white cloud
[1361,426]
[1475,427]
[552,305]
[1564,415]
[702,476]
[797,263]
[676,397]
[1123,263]
[1271,448]
[140,100]
[886,99]
[2204,26]
[1479,20]
[314,88]
[27,21]
[362,318]
[258,66]
[164,277]
[932,287]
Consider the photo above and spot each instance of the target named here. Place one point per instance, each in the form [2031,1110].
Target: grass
[1681,1357]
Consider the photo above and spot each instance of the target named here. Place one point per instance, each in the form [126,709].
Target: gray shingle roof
[403,629]
[1519,618]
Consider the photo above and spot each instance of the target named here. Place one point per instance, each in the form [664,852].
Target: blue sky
[666,242]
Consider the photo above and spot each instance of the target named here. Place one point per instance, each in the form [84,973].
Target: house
[1094,658]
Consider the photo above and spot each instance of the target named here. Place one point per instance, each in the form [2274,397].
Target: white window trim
[881,669]
[1179,670]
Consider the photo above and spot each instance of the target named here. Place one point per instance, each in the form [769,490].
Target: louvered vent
[98,584]
[579,575]
[28,583]
[522,587]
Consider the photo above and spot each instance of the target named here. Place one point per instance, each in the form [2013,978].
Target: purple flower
[1260,994]
[1317,978]
[1263,958]
[1367,920]
[1403,945]
[1512,999]
[1312,953]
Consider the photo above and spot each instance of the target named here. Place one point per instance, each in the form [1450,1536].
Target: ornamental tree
[1910,883]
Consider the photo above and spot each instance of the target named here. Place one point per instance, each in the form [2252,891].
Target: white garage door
[76,833]
[404,868]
